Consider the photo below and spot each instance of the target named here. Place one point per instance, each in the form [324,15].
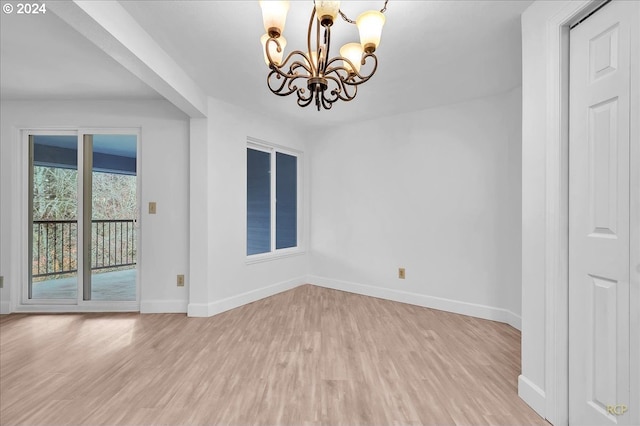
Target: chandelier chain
[351,21]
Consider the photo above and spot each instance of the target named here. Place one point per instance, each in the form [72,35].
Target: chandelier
[313,75]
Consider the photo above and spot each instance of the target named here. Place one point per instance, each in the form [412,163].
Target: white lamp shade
[353,52]
[327,10]
[370,25]
[274,15]
[273,49]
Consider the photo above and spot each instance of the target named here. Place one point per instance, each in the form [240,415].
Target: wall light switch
[152,207]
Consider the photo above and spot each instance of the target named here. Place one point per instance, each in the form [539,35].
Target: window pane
[54,216]
[114,207]
[286,201]
[258,202]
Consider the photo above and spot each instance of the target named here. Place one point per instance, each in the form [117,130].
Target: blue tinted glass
[258,202]
[286,201]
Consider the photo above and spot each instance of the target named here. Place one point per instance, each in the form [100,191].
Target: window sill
[267,257]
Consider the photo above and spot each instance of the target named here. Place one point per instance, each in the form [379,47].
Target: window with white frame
[272,199]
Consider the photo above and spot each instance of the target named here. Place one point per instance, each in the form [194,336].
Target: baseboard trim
[198,310]
[513,320]
[93,307]
[163,307]
[448,305]
[532,395]
[223,305]
[213,308]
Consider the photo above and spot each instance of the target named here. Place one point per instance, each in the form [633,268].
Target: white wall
[434,187]
[435,191]
[231,281]
[164,174]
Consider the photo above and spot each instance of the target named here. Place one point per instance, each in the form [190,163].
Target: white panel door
[599,215]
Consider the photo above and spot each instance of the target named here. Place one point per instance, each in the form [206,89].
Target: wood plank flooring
[304,357]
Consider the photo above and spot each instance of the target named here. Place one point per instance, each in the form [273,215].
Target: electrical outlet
[180,280]
[401,273]
[152,207]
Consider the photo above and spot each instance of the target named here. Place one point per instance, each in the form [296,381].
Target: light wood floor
[306,356]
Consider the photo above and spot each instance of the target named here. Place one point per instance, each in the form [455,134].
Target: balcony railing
[55,246]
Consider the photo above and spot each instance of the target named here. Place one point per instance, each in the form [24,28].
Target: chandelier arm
[277,76]
[268,51]
[288,79]
[319,52]
[326,103]
[350,96]
[280,88]
[327,44]
[300,91]
[278,69]
[304,102]
[345,95]
[341,69]
[357,77]
[272,63]
[293,69]
[342,87]
[280,74]
[332,94]
[305,97]
[313,14]
[302,94]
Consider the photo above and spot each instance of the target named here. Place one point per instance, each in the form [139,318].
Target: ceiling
[43,58]
[432,53]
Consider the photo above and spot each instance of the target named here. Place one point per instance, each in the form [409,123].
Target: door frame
[23,304]
[556,269]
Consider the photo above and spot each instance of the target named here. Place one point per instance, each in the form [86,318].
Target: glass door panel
[53,214]
[113,212]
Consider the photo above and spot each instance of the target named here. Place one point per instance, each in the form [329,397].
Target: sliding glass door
[82,218]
